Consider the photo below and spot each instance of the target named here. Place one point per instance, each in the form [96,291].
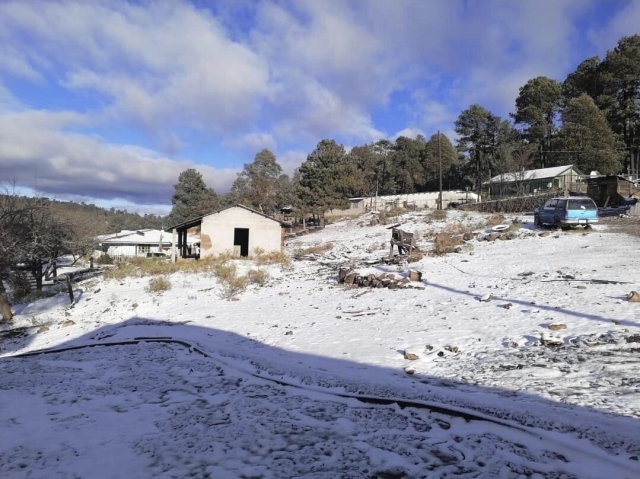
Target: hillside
[526,363]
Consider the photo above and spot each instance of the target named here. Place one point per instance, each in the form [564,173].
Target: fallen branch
[594,281]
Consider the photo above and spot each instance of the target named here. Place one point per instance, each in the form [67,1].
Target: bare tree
[520,164]
[29,233]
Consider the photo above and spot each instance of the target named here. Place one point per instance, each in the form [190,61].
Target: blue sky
[108,101]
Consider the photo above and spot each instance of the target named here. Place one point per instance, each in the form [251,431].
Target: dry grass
[258,277]
[272,257]
[141,267]
[457,229]
[495,220]
[159,284]
[445,243]
[515,225]
[299,253]
[230,283]
[439,214]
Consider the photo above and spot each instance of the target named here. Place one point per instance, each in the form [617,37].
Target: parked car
[565,212]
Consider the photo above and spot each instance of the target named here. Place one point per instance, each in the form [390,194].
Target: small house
[612,190]
[140,243]
[538,181]
[237,229]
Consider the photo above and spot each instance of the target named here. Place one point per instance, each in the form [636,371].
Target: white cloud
[624,23]
[292,159]
[409,132]
[162,63]
[252,142]
[36,151]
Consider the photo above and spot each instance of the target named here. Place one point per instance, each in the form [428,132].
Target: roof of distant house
[145,236]
[527,175]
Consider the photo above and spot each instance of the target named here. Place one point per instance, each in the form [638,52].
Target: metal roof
[538,174]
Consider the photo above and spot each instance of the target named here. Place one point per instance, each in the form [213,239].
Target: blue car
[566,212]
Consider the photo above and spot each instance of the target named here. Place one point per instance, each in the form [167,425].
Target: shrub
[121,271]
[259,277]
[457,229]
[272,257]
[439,214]
[446,243]
[154,267]
[158,284]
[225,271]
[104,259]
[495,220]
[20,285]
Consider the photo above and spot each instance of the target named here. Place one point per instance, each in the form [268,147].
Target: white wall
[420,200]
[217,232]
[129,251]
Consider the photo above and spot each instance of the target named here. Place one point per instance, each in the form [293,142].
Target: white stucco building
[237,229]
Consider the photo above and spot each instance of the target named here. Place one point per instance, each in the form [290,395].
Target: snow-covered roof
[528,175]
[146,236]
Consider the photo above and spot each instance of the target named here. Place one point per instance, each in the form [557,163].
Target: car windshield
[582,204]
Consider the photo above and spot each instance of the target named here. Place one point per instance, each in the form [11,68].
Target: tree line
[590,120]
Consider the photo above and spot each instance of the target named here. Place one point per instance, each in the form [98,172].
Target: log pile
[352,278]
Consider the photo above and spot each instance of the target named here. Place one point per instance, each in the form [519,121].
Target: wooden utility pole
[440,171]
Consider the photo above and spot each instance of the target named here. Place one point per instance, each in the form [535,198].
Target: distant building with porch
[358,206]
[139,243]
[612,190]
[237,230]
[541,180]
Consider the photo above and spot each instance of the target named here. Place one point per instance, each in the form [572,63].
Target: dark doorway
[241,238]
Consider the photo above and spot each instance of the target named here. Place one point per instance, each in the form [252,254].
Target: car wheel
[536,220]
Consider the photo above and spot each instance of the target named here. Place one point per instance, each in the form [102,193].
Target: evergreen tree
[537,108]
[449,158]
[191,198]
[323,178]
[257,184]
[621,97]
[586,136]
[472,126]
[407,160]
[587,79]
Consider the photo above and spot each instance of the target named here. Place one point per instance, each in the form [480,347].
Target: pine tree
[323,179]
[589,141]
[191,198]
[257,185]
[537,108]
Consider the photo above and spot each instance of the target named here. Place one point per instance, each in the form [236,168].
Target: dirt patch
[628,225]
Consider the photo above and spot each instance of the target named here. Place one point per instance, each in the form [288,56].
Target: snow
[272,395]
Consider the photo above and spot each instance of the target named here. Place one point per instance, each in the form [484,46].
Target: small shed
[612,190]
[236,229]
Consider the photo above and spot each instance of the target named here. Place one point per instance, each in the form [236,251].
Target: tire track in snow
[580,450]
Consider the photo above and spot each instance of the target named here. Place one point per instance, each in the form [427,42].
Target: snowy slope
[304,329]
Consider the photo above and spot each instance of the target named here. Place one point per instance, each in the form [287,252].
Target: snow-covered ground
[274,394]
